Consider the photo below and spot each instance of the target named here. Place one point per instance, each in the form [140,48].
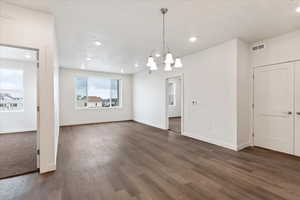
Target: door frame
[181,76]
[252,95]
[38,51]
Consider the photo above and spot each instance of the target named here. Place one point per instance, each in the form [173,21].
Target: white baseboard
[149,124]
[47,168]
[90,123]
[243,146]
[18,131]
[212,141]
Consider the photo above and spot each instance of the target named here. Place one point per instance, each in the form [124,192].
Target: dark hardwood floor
[175,124]
[17,153]
[130,161]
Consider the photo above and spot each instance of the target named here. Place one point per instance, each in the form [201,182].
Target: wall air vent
[258,46]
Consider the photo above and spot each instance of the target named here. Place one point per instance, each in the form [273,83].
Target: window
[97,92]
[172,93]
[11,90]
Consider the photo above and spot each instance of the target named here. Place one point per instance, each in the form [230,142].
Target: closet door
[297,109]
[274,108]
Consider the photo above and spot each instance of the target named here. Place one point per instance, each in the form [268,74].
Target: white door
[297,109]
[274,107]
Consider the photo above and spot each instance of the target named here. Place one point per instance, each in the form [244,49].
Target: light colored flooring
[131,161]
[175,124]
[17,153]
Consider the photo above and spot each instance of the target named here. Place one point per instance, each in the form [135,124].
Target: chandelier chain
[164,33]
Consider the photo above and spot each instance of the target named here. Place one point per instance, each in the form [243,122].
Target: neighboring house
[94,102]
[8,102]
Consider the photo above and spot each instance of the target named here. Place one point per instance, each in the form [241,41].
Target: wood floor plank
[132,161]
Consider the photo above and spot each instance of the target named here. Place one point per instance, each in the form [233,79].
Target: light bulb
[193,39]
[97,43]
[150,61]
[153,66]
[27,56]
[178,63]
[298,9]
[169,58]
[168,67]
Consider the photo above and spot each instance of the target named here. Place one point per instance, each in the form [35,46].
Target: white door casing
[297,108]
[274,107]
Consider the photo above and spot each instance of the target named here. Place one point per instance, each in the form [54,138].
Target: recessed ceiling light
[97,43]
[27,56]
[136,65]
[88,59]
[298,9]
[193,39]
[122,70]
[157,55]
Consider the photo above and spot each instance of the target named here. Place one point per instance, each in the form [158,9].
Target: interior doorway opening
[174,104]
[19,135]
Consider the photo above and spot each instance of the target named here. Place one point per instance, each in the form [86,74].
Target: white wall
[244,95]
[25,120]
[210,79]
[149,97]
[29,28]
[72,116]
[175,111]
[279,49]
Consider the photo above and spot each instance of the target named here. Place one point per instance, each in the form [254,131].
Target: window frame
[99,108]
[22,91]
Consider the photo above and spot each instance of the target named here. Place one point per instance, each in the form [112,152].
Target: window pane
[11,79]
[115,93]
[81,92]
[99,92]
[172,93]
[11,90]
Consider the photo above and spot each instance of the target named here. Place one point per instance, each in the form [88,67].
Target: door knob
[298,113]
[290,113]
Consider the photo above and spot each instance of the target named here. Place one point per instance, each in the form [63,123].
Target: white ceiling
[130,29]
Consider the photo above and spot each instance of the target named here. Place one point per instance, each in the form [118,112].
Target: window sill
[11,111]
[101,108]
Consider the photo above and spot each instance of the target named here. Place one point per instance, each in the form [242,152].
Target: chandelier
[166,58]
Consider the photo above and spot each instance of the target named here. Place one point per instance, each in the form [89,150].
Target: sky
[96,87]
[11,79]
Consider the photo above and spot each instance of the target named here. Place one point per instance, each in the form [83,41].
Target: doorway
[174,98]
[18,111]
